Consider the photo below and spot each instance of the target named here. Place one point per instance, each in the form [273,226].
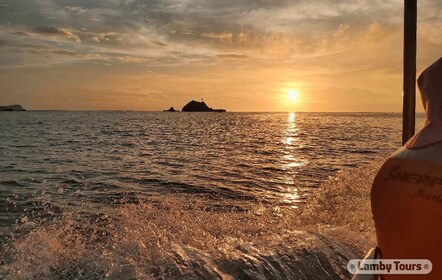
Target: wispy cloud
[323,39]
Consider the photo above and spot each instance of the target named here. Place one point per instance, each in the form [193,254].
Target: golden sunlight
[293,95]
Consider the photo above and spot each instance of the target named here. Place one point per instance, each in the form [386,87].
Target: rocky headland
[12,108]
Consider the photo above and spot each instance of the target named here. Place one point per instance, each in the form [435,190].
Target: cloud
[318,41]
[223,37]
[131,59]
[66,52]
[76,10]
[49,30]
[159,43]
[53,31]
[232,56]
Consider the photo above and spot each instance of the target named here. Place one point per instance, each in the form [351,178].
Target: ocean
[157,195]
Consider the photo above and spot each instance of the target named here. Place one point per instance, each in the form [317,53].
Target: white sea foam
[182,237]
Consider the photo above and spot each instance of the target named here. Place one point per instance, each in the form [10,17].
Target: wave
[183,236]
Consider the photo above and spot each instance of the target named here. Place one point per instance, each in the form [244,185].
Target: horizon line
[161,111]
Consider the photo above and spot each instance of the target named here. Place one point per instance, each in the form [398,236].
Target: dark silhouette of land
[171,109]
[195,106]
[12,108]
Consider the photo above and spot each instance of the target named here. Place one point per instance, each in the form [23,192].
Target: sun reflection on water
[292,197]
[291,162]
[291,131]
[291,141]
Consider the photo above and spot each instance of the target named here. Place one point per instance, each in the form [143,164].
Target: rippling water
[139,195]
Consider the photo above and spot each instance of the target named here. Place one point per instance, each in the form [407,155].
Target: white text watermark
[390,266]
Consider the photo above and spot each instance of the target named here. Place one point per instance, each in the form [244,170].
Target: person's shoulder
[431,153]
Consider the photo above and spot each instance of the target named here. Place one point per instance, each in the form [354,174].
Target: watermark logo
[390,266]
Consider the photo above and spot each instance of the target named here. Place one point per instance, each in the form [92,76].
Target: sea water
[155,195]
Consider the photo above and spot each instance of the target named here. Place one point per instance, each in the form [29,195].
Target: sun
[293,95]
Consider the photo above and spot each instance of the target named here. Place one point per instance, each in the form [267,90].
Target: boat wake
[184,237]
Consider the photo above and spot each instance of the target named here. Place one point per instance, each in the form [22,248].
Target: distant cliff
[195,106]
[12,108]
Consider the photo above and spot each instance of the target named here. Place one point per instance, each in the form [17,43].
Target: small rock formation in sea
[12,108]
[171,109]
[195,106]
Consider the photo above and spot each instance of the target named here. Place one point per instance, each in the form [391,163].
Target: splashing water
[182,237]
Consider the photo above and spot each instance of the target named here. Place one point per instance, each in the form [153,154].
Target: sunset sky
[242,55]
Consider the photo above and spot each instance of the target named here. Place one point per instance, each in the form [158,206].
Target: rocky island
[171,109]
[195,106]
[12,108]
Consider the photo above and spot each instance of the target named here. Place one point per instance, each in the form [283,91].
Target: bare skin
[406,203]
